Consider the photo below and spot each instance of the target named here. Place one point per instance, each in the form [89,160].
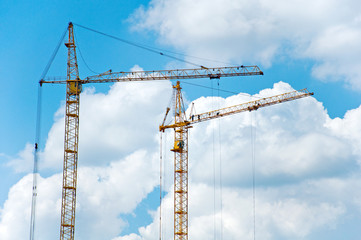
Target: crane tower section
[180,169]
[73,89]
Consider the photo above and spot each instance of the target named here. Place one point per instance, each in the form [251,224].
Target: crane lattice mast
[182,124]
[73,90]
[180,169]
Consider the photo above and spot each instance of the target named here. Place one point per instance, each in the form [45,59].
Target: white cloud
[306,169]
[107,192]
[305,166]
[116,124]
[292,141]
[279,215]
[25,160]
[117,169]
[261,31]
[348,128]
[103,194]
[15,214]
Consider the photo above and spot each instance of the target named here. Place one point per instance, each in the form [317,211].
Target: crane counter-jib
[164,75]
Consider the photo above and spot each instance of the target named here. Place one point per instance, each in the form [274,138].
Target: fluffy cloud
[306,169]
[107,192]
[15,214]
[118,167]
[116,124]
[279,132]
[327,32]
[348,128]
[25,159]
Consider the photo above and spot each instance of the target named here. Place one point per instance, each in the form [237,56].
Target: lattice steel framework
[73,89]
[180,169]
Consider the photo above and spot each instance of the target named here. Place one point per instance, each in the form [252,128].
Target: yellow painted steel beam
[73,89]
[249,106]
[180,169]
[216,72]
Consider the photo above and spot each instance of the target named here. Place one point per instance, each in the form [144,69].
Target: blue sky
[312,144]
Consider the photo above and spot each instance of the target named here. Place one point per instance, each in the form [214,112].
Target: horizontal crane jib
[249,106]
[168,74]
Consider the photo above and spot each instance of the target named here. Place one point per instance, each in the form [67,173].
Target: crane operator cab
[178,146]
[75,87]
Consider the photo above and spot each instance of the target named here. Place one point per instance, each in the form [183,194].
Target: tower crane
[73,90]
[182,124]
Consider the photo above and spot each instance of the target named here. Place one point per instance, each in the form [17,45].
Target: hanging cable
[165,179]
[81,55]
[160,185]
[155,49]
[253,139]
[214,169]
[36,159]
[141,46]
[46,69]
[37,137]
[220,168]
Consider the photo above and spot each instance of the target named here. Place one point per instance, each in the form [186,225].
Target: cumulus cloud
[24,161]
[348,128]
[116,124]
[279,132]
[260,32]
[306,169]
[300,154]
[107,192]
[15,214]
[103,194]
[117,153]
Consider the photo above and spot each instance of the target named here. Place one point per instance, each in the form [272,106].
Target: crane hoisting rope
[37,138]
[220,166]
[214,170]
[160,184]
[35,170]
[216,184]
[253,140]
[220,176]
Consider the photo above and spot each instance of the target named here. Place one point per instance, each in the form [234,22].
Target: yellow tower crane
[181,125]
[73,90]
